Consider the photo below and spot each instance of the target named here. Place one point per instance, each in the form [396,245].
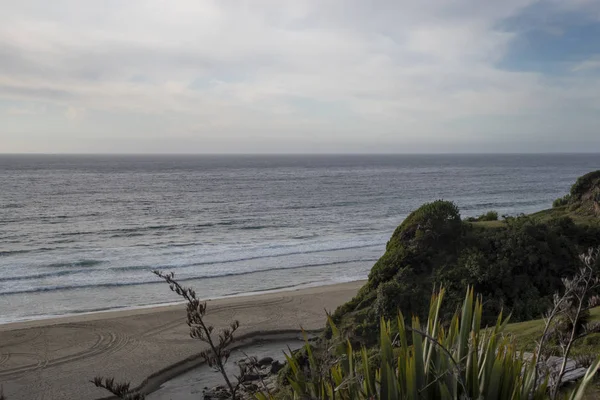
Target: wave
[232,260]
[193,278]
[140,231]
[84,266]
[12,252]
[137,229]
[41,276]
[80,263]
[13,205]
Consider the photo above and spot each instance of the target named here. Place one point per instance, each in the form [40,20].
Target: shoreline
[35,321]
[55,358]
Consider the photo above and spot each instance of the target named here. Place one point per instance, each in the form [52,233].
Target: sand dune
[55,359]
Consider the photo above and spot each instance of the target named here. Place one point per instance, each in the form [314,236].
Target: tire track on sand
[104,342]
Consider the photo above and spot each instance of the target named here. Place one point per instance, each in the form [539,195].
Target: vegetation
[488,216]
[456,360]
[519,264]
[568,320]
[584,197]
[528,333]
[121,390]
[516,264]
[216,355]
[438,361]
[562,201]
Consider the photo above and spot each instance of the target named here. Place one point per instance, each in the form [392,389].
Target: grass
[489,224]
[526,333]
[545,216]
[577,217]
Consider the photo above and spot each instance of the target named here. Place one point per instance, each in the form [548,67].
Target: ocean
[82,233]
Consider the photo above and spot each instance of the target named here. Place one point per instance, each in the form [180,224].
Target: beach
[56,358]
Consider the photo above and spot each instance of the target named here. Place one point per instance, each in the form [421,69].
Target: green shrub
[388,296]
[561,201]
[489,216]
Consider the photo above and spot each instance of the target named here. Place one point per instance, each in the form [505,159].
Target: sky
[302,76]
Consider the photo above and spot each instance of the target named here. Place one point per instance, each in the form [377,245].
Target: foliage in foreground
[461,361]
[215,356]
[455,360]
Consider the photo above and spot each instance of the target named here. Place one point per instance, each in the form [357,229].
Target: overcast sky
[279,76]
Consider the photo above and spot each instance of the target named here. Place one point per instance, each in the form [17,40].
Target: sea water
[83,233]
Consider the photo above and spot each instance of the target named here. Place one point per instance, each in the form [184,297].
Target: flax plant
[460,361]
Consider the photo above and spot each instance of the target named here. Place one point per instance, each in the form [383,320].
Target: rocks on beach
[255,375]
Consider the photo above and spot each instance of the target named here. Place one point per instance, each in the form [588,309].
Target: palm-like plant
[460,361]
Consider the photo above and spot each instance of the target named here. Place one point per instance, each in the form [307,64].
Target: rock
[250,377]
[552,365]
[219,393]
[251,387]
[276,366]
[265,361]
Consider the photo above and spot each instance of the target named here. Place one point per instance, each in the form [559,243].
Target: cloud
[587,65]
[279,71]
[75,113]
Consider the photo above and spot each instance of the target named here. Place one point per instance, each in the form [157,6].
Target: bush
[561,201]
[488,216]
[388,295]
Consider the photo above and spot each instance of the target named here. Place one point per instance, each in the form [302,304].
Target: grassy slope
[526,333]
[546,215]
[563,211]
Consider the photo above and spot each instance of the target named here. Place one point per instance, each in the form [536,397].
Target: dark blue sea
[82,233]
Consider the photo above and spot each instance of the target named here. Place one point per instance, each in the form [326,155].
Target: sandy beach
[55,358]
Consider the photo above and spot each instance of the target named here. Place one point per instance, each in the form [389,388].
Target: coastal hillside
[582,203]
[516,263]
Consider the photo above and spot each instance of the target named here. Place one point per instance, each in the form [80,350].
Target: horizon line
[303,154]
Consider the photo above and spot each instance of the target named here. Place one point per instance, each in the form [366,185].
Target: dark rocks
[256,376]
[264,361]
[276,366]
[251,387]
[250,377]
[217,393]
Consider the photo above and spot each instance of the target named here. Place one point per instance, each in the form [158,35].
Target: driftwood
[552,365]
